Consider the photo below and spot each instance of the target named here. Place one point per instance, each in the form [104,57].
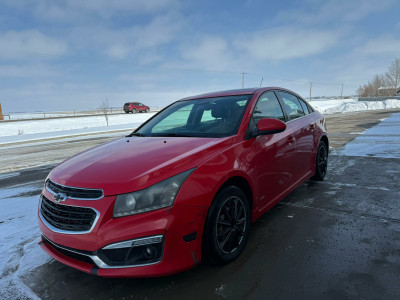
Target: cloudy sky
[73,54]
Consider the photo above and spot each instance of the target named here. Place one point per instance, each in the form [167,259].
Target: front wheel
[322,162]
[227,226]
[134,111]
[147,110]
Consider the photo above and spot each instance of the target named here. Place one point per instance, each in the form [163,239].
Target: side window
[292,106]
[304,106]
[268,107]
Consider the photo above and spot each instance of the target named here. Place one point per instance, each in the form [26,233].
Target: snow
[323,105]
[54,125]
[54,128]
[350,105]
[19,235]
[383,140]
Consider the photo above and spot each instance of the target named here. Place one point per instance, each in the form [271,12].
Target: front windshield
[208,117]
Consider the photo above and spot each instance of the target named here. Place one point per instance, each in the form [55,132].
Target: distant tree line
[387,84]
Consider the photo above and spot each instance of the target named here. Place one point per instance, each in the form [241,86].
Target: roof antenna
[262,78]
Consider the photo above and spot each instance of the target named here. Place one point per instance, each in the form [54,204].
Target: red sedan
[184,186]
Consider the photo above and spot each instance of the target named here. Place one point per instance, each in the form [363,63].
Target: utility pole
[1,114]
[341,93]
[243,79]
[310,89]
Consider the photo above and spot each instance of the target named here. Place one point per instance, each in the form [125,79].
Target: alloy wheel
[322,160]
[231,224]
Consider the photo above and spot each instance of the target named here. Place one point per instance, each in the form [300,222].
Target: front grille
[72,192]
[71,254]
[65,217]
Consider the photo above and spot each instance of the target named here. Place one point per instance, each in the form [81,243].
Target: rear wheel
[127,112]
[322,162]
[227,226]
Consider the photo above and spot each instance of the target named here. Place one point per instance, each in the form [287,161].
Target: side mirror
[270,126]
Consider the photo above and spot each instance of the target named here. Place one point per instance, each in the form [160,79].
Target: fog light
[149,252]
[137,252]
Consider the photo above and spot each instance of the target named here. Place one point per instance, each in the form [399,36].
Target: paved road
[337,239]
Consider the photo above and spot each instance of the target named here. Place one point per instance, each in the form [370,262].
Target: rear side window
[304,106]
[292,106]
[268,107]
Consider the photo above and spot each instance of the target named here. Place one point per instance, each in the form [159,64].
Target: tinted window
[304,106]
[292,106]
[268,107]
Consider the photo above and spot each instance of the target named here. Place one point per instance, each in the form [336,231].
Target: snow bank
[323,105]
[350,105]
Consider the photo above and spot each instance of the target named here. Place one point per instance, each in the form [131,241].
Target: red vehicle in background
[135,107]
[183,187]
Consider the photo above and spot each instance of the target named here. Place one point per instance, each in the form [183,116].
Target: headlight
[157,196]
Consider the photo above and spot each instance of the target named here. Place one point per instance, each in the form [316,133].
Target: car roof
[248,91]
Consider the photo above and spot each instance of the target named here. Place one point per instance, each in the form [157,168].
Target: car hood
[135,163]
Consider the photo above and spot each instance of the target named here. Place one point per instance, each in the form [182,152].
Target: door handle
[312,127]
[291,140]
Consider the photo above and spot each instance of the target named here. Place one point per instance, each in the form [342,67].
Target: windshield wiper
[136,134]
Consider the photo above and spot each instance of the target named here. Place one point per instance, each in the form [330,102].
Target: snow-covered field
[19,235]
[11,132]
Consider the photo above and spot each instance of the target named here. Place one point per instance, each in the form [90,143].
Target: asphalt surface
[336,239]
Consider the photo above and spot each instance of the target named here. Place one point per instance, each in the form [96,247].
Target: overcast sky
[73,54]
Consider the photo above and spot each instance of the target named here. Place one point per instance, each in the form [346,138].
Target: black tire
[321,166]
[127,112]
[147,110]
[134,111]
[227,226]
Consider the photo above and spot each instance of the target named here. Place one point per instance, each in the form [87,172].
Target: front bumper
[180,226]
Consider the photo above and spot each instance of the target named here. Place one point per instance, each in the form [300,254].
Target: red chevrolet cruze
[184,186]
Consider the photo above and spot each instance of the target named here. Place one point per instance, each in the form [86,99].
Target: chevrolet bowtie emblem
[59,197]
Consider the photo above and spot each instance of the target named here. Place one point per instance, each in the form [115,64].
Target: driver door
[274,155]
